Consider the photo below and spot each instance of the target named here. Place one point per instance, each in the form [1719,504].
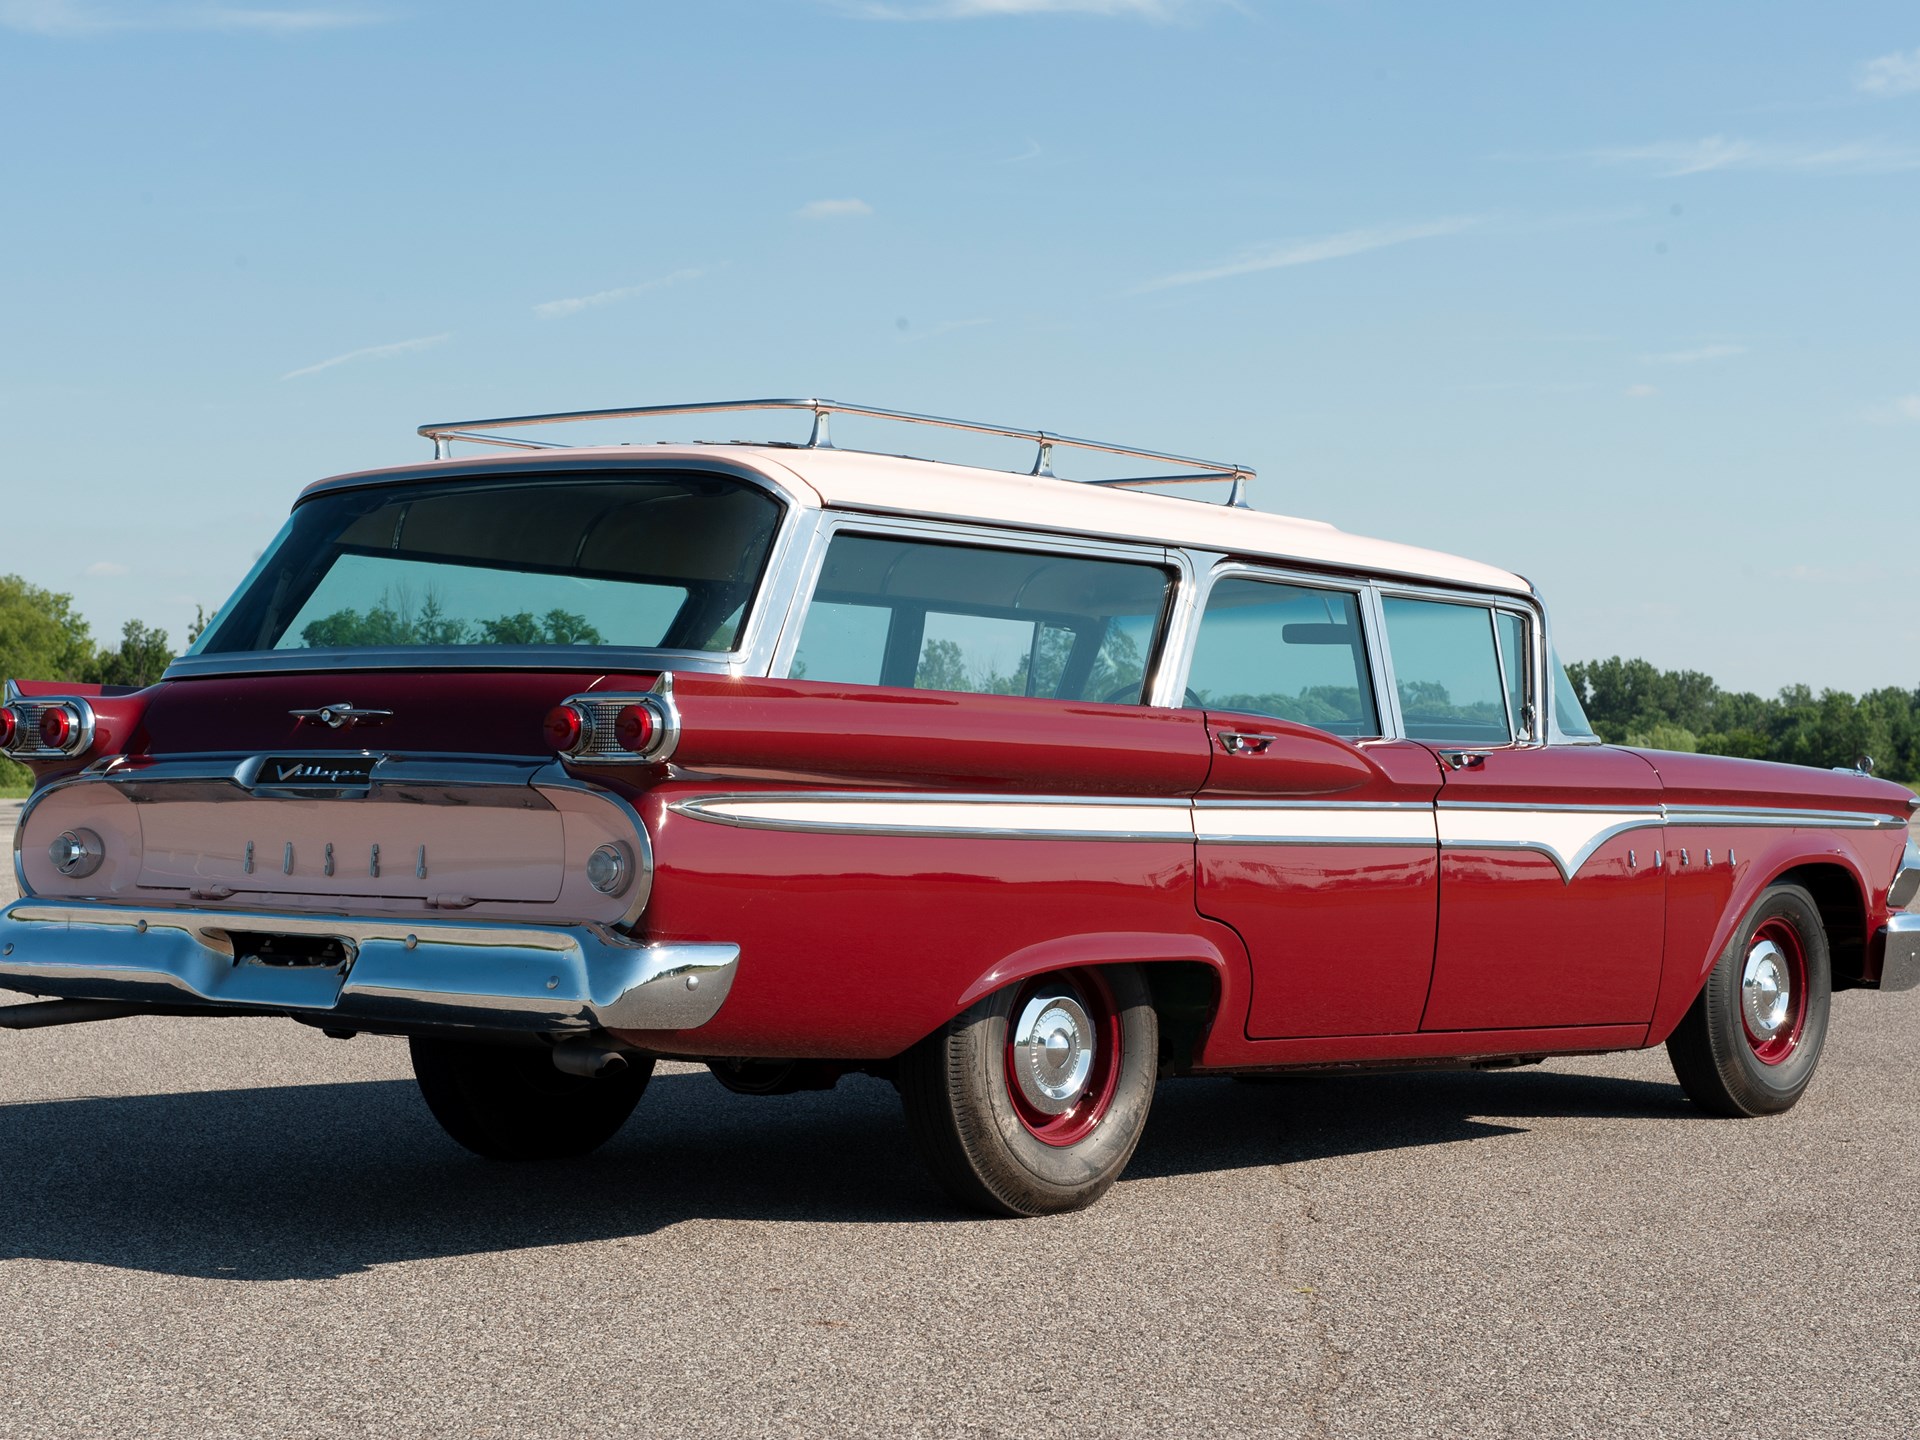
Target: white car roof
[860,480]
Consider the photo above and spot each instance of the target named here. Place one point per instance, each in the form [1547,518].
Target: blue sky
[1622,296]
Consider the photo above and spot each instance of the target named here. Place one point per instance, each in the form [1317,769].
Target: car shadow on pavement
[320,1181]
[1228,1124]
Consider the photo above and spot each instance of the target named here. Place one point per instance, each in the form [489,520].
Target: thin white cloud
[106,570]
[1032,152]
[833,209]
[945,327]
[1161,10]
[371,352]
[1890,75]
[1310,252]
[573,305]
[79,19]
[1641,392]
[1675,158]
[1698,355]
[1908,407]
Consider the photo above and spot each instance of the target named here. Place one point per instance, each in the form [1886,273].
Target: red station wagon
[1019,791]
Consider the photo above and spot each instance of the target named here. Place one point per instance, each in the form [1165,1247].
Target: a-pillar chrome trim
[403,972]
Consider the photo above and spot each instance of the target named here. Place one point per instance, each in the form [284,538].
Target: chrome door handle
[1464,759]
[1239,742]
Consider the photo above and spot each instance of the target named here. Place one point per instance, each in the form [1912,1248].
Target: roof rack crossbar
[443,435]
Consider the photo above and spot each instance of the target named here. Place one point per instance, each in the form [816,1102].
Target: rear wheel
[1032,1102]
[1751,1041]
[511,1103]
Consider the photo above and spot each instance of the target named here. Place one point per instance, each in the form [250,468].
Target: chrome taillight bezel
[28,713]
[600,712]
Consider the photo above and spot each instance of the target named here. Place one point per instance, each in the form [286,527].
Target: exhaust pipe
[595,1062]
[43,1013]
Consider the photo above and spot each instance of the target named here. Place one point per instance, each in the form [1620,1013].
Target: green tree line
[1630,702]
[42,637]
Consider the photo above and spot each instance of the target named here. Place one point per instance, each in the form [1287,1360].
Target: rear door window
[933,616]
[1446,672]
[1296,652]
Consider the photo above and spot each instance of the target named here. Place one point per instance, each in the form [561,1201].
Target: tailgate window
[628,562]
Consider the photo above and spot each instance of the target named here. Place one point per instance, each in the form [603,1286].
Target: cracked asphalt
[241,1228]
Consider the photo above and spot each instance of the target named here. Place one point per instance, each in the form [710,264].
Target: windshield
[624,562]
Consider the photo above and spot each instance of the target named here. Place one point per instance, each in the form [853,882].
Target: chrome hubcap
[1053,1052]
[1766,992]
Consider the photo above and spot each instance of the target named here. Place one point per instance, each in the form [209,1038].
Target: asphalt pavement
[241,1228]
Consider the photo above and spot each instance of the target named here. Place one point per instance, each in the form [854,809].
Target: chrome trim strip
[1790,819]
[1301,823]
[1021,817]
[404,971]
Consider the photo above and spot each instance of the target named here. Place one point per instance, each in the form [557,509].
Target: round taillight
[9,726]
[57,727]
[635,728]
[566,728]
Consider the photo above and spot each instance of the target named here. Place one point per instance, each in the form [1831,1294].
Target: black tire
[1724,1064]
[511,1103]
[982,1140]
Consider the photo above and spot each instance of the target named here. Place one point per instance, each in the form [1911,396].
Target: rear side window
[988,621]
[1446,671]
[1291,651]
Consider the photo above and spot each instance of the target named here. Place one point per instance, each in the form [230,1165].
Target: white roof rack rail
[473,432]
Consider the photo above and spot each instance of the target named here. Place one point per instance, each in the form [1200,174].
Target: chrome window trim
[750,655]
[1526,606]
[833,523]
[1234,568]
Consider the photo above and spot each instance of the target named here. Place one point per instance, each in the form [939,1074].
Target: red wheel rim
[1773,991]
[1092,1096]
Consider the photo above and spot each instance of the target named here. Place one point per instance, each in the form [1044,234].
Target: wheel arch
[1193,980]
[1842,902]
[1833,874]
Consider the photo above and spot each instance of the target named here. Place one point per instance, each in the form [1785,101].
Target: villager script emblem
[292,771]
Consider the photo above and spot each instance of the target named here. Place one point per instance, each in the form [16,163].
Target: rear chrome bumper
[404,973]
[1899,946]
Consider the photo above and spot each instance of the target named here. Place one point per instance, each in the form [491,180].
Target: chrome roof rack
[1202,471]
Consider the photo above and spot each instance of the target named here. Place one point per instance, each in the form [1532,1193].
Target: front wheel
[511,1103]
[1751,1041]
[1032,1102]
